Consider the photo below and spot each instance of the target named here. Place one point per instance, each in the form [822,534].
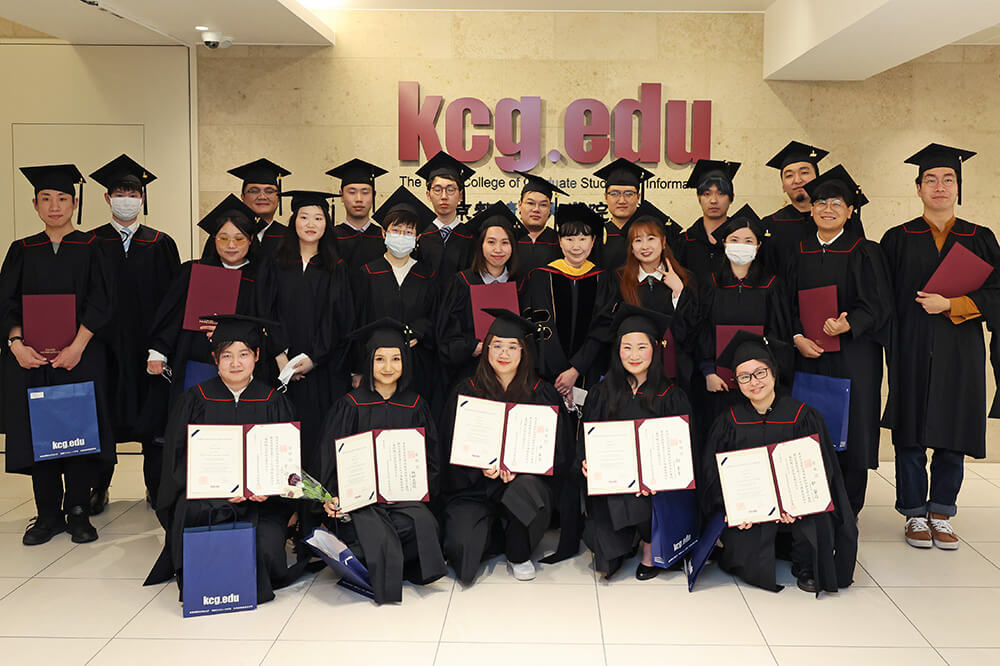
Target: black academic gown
[565,304]
[211,402]
[316,313]
[857,267]
[937,385]
[783,229]
[180,345]
[143,276]
[80,267]
[271,238]
[614,522]
[750,554]
[478,510]
[449,258]
[455,327]
[357,248]
[532,254]
[414,303]
[394,540]
[697,254]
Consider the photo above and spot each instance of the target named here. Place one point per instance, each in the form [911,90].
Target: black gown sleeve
[170,316]
[10,288]
[341,421]
[188,408]
[456,332]
[869,314]
[101,290]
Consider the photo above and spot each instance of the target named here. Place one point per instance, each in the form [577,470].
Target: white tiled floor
[907,606]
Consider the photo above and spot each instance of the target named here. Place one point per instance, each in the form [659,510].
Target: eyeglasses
[440,189]
[758,374]
[932,181]
[832,203]
[232,240]
[540,205]
[497,348]
[627,195]
[267,191]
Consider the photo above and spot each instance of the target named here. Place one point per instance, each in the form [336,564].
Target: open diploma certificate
[759,483]
[647,454]
[225,461]
[382,466]
[518,438]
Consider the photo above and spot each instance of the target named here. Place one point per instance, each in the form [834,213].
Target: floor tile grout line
[756,623]
[908,619]
[444,621]
[277,636]
[129,621]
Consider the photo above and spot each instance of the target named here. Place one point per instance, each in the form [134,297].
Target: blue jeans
[947,471]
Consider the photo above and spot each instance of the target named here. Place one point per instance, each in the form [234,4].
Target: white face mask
[126,208]
[400,245]
[741,254]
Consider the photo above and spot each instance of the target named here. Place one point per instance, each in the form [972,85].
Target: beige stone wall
[311,108]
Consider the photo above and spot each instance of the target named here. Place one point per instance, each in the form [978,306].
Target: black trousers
[52,497]
[152,467]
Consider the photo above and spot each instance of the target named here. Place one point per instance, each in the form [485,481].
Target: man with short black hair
[448,247]
[261,192]
[359,240]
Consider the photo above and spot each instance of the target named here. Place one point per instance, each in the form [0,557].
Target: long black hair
[246,227]
[521,387]
[619,382]
[288,254]
[367,374]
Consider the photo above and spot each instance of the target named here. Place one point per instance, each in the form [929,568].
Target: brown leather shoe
[943,535]
[918,533]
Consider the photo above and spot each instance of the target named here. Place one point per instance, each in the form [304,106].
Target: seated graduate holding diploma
[634,388]
[490,511]
[824,545]
[235,397]
[395,540]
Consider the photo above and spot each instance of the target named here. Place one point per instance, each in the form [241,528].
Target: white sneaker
[522,570]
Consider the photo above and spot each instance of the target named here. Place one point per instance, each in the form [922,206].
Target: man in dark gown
[623,192]
[697,249]
[538,244]
[447,247]
[261,192]
[359,240]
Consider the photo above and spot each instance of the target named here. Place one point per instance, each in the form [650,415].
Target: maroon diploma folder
[496,295]
[212,290]
[815,307]
[48,322]
[723,335]
[959,273]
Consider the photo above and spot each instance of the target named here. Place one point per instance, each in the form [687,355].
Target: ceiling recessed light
[201,27]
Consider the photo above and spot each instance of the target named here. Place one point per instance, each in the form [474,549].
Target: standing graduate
[261,192]
[634,388]
[623,193]
[697,248]
[448,247]
[358,240]
[399,287]
[304,287]
[494,262]
[144,262]
[824,545]
[837,255]
[57,260]
[538,244]
[234,397]
[232,244]
[564,296]
[743,292]
[490,511]
[937,384]
[798,164]
[395,540]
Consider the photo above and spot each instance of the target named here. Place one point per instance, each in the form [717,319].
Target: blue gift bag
[63,420]
[196,372]
[675,526]
[831,397]
[353,575]
[220,569]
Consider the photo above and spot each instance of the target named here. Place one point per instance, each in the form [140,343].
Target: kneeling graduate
[235,397]
[395,540]
[824,545]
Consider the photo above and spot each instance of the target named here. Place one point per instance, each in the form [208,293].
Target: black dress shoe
[642,572]
[98,500]
[42,530]
[807,583]
[79,527]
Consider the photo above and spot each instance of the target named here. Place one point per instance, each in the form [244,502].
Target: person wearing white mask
[400,287]
[742,294]
[144,263]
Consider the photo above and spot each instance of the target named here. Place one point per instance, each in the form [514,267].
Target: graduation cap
[240,328]
[713,172]
[510,325]
[124,170]
[836,182]
[533,183]
[580,212]
[497,214]
[262,172]
[356,172]
[389,333]
[935,155]
[623,172]
[634,319]
[215,217]
[302,198]
[746,346]
[744,218]
[58,177]
[647,211]
[404,200]
[443,164]
[797,152]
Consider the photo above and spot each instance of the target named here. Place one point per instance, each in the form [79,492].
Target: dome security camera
[216,40]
